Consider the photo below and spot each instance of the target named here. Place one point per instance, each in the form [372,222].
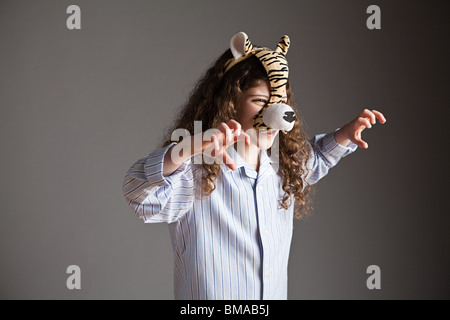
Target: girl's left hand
[352,130]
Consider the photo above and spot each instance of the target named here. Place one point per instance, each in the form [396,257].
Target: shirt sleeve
[154,197]
[325,154]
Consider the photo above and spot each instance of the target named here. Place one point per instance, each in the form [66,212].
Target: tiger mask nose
[289,116]
[279,116]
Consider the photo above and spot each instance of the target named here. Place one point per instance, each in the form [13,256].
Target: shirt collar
[265,161]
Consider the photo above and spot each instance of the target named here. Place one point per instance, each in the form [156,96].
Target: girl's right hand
[225,135]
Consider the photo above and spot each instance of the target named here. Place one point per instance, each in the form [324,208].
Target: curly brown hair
[213,100]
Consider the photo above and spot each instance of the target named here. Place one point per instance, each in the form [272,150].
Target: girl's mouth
[269,132]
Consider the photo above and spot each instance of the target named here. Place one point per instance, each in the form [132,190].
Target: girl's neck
[250,154]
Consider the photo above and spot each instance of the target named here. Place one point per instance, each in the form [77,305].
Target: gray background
[79,107]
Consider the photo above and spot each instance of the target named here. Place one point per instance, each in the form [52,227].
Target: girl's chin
[265,141]
[264,145]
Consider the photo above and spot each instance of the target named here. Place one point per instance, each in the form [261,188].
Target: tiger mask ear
[283,45]
[240,45]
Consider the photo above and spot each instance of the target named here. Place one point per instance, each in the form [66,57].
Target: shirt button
[266,231]
[260,188]
[268,274]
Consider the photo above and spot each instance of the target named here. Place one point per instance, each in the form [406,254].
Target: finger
[379,116]
[243,136]
[359,141]
[230,137]
[207,143]
[247,138]
[227,133]
[233,124]
[223,127]
[209,147]
[235,128]
[365,122]
[229,162]
[369,114]
[209,150]
[215,141]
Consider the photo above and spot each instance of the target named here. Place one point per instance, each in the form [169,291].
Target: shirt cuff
[154,168]
[334,148]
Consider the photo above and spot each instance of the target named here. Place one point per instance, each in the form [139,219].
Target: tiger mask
[275,115]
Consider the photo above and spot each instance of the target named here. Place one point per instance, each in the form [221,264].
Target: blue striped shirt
[233,244]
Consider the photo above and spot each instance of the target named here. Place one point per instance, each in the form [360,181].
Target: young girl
[231,220]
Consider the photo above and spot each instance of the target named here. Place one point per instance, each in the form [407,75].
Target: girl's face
[250,103]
